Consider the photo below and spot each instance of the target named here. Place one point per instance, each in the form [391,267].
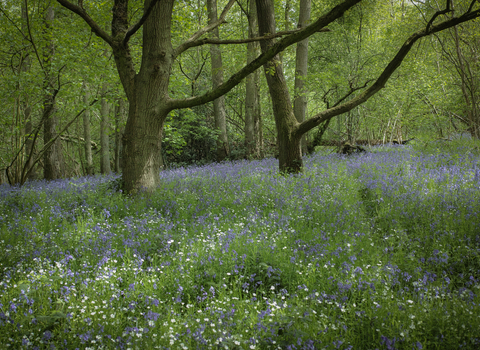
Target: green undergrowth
[373,251]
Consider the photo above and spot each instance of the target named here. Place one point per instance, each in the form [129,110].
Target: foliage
[423,100]
[376,250]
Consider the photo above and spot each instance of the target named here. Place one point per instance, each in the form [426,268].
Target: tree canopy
[149,65]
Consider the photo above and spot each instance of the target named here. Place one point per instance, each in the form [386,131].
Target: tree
[104,139]
[27,109]
[148,89]
[253,135]
[87,134]
[289,130]
[119,107]
[464,57]
[301,68]
[53,167]
[217,79]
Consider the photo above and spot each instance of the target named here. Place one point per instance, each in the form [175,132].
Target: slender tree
[301,69]
[252,93]
[104,131]
[53,157]
[119,107]
[219,112]
[27,109]
[87,135]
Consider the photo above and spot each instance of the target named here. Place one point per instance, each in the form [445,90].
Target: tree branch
[133,29]
[438,13]
[14,24]
[221,19]
[277,47]
[93,25]
[386,74]
[351,91]
[470,8]
[242,41]
[40,61]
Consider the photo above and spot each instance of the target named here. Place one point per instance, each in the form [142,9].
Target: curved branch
[385,75]
[351,91]
[133,29]
[93,25]
[205,41]
[13,23]
[438,13]
[470,8]
[40,61]
[221,19]
[273,50]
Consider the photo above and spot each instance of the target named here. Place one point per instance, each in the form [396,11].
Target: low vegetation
[376,250]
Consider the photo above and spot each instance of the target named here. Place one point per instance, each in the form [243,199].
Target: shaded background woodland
[63,110]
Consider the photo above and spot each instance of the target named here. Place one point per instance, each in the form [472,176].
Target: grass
[373,251]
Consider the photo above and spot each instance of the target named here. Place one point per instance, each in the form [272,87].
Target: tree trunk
[118,134]
[469,85]
[217,79]
[147,94]
[258,116]
[290,155]
[252,98]
[27,109]
[53,158]
[142,142]
[104,139]
[301,69]
[89,170]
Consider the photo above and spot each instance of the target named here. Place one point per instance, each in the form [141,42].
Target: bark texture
[253,140]
[104,138]
[301,69]
[147,93]
[290,156]
[119,107]
[87,135]
[53,157]
[27,109]
[223,150]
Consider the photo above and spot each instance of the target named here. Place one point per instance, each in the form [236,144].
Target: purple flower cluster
[379,250]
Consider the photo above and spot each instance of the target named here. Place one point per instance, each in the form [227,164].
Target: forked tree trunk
[290,155]
[147,94]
